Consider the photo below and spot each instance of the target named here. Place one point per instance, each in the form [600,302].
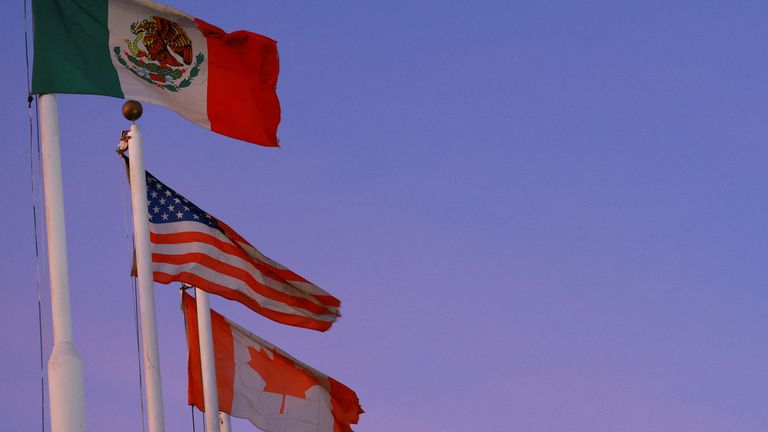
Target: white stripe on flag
[232,260]
[239,286]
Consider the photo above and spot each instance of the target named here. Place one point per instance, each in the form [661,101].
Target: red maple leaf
[280,374]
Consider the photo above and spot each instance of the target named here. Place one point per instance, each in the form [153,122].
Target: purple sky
[539,216]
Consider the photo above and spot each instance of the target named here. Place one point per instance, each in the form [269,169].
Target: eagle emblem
[160,53]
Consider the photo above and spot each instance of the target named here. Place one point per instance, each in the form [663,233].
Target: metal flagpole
[155,417]
[65,369]
[207,362]
[226,425]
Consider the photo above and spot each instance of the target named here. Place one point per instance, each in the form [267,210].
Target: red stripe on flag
[241,275]
[228,293]
[279,274]
[327,300]
[242,77]
[226,247]
[284,273]
[199,237]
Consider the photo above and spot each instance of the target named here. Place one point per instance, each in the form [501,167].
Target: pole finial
[132,110]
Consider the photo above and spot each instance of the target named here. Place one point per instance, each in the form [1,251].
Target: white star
[156,209]
[171,208]
[158,185]
[179,214]
[186,208]
[176,200]
[168,193]
[162,201]
[165,216]
[154,194]
[196,216]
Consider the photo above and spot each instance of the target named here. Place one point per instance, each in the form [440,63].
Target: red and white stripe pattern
[191,246]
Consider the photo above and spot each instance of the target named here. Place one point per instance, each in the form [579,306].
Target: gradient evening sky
[540,216]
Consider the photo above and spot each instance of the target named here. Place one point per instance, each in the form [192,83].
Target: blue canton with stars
[166,205]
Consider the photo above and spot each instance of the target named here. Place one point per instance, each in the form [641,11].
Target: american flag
[193,247]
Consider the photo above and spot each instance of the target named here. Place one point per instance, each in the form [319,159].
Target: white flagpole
[207,362]
[155,416]
[65,369]
[226,425]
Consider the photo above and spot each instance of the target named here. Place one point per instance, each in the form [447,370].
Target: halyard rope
[35,200]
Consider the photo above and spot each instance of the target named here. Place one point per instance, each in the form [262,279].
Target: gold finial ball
[132,110]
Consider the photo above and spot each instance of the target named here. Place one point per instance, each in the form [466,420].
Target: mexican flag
[142,50]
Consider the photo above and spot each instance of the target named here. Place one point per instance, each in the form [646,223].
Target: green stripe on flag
[72,48]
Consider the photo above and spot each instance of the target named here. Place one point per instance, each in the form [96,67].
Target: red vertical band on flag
[345,406]
[224,358]
[242,77]
[195,376]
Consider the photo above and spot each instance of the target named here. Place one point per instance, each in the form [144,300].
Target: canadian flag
[260,382]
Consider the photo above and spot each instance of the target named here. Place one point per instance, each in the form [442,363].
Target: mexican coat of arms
[160,54]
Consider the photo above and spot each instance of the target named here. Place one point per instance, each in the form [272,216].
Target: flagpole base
[66,389]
